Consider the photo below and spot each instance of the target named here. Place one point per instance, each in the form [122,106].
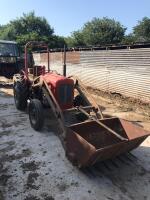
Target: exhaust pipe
[64,65]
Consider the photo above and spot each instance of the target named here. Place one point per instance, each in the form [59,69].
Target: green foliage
[70,41]
[7,32]
[78,38]
[96,32]
[99,32]
[57,42]
[75,40]
[30,28]
[142,30]
[129,39]
[103,31]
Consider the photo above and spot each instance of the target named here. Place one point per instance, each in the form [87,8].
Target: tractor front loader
[87,137]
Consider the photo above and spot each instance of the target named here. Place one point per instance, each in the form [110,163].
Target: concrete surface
[33,165]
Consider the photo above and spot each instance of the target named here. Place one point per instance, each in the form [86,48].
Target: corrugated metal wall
[124,71]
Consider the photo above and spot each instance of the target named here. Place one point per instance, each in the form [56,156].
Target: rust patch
[71,57]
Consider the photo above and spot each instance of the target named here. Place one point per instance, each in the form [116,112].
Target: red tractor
[89,137]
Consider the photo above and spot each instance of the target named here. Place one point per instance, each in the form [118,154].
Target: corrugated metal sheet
[124,71]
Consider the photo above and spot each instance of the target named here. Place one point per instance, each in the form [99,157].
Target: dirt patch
[4,106]
[1,196]
[4,124]
[123,103]
[10,158]
[3,179]
[62,186]
[31,198]
[76,184]
[7,149]
[6,90]
[36,198]
[2,169]
[47,197]
[32,177]
[30,166]
[6,133]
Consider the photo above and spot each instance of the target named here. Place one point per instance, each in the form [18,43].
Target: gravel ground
[33,165]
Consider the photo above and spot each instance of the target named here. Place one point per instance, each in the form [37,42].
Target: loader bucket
[89,142]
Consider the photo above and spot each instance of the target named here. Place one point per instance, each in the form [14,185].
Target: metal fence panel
[124,71]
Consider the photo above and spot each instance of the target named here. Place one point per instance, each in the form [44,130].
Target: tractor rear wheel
[36,114]
[20,95]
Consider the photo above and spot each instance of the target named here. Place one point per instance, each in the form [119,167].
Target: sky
[66,16]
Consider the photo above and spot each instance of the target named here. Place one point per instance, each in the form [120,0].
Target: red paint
[54,82]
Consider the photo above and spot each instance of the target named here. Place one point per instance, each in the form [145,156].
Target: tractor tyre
[36,114]
[20,95]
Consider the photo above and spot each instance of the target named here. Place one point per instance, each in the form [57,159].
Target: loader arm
[56,110]
[79,86]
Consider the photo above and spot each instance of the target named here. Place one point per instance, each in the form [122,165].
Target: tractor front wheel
[20,95]
[36,115]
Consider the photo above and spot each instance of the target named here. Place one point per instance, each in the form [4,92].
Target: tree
[99,32]
[57,42]
[30,28]
[142,30]
[7,32]
[75,40]
[70,41]
[78,38]
[129,39]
